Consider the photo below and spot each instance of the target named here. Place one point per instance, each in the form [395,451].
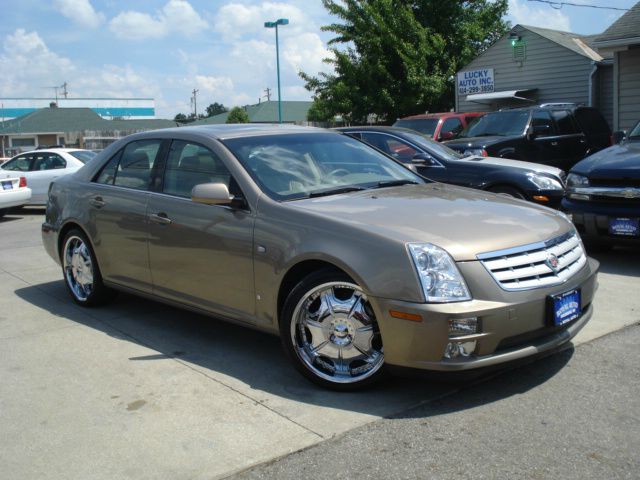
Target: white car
[41,167]
[13,193]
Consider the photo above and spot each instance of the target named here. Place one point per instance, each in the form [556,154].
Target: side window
[190,164]
[48,161]
[136,163]
[18,164]
[453,125]
[389,145]
[564,122]
[108,173]
[542,123]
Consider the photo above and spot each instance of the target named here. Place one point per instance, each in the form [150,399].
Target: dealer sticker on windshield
[627,227]
[566,307]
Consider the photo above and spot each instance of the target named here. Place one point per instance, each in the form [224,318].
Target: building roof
[266,112]
[62,120]
[579,44]
[624,31]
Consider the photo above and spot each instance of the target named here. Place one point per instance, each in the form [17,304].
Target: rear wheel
[330,332]
[81,272]
[507,191]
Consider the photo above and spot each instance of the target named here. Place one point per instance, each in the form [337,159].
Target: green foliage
[397,57]
[215,109]
[318,112]
[180,117]
[238,115]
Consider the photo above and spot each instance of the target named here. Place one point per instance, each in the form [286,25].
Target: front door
[200,255]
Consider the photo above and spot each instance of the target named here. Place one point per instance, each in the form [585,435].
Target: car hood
[618,161]
[463,221]
[476,142]
[506,162]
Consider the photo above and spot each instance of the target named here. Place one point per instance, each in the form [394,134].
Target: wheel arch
[64,230]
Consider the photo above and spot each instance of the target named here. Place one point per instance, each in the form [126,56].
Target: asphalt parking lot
[141,390]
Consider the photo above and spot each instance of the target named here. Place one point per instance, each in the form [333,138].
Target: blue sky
[166,48]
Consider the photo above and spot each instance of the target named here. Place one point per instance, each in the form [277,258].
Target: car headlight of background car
[575,181]
[545,183]
[439,276]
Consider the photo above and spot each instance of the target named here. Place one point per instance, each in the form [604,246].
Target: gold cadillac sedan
[355,261]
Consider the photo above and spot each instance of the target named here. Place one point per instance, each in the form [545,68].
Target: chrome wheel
[335,335]
[78,268]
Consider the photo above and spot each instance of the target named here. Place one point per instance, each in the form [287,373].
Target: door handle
[97,202]
[160,218]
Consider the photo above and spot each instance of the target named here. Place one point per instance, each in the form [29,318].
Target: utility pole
[195,104]
[64,89]
[268,94]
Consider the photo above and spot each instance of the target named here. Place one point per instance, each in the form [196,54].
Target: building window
[23,142]
[519,49]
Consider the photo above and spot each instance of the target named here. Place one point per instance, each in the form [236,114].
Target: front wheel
[81,273]
[330,332]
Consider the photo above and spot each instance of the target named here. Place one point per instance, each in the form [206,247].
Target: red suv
[439,126]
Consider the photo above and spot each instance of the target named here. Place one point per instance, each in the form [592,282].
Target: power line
[559,5]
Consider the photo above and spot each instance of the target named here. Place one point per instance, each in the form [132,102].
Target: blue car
[603,194]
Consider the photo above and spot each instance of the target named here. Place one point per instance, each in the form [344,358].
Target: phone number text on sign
[475,81]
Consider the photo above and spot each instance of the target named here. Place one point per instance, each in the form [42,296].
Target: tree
[397,57]
[180,117]
[238,115]
[215,109]
[318,112]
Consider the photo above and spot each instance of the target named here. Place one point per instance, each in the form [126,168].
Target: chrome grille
[537,265]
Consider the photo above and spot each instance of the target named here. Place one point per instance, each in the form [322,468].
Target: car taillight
[484,153]
[23,182]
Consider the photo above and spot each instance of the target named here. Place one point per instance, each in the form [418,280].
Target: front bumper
[512,327]
[592,220]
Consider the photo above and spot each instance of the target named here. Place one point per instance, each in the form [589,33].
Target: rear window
[592,122]
[83,155]
[564,122]
[422,125]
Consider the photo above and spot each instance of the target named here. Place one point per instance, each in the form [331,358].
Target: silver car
[355,261]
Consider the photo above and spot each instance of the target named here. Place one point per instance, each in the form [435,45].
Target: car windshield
[83,155]
[434,148]
[635,133]
[295,166]
[497,123]
[422,125]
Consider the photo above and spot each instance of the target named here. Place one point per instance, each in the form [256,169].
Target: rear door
[572,143]
[45,168]
[117,200]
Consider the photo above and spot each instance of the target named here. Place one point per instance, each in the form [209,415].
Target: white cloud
[214,86]
[80,12]
[28,66]
[538,16]
[177,16]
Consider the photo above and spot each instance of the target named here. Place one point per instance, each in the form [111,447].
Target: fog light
[463,326]
[459,349]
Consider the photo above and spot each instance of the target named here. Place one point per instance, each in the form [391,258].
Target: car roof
[228,131]
[442,115]
[377,128]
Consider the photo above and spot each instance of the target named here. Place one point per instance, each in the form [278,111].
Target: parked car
[439,126]
[356,261]
[559,135]
[603,194]
[40,167]
[13,193]
[530,181]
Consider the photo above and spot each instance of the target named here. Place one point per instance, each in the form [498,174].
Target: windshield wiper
[334,191]
[395,183]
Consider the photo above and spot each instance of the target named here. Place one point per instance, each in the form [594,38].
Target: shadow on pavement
[250,361]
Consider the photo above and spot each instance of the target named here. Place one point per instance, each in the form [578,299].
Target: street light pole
[280,21]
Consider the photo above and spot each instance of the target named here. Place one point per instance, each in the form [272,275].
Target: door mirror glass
[423,159]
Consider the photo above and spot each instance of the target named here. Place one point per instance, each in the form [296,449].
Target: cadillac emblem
[552,262]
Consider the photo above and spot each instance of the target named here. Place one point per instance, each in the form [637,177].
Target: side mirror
[446,136]
[423,159]
[215,194]
[618,136]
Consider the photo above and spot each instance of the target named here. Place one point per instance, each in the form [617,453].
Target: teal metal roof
[266,112]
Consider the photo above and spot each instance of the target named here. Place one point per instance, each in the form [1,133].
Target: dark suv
[552,134]
[603,194]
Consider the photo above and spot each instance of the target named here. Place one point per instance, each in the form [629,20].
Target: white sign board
[475,81]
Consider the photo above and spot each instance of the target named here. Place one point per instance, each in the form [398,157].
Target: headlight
[479,152]
[575,181]
[440,278]
[545,183]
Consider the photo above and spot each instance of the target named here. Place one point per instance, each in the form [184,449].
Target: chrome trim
[615,192]
[527,267]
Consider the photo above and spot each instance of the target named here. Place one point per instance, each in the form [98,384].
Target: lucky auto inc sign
[475,81]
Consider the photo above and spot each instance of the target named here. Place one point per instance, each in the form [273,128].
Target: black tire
[81,272]
[2,212]
[507,191]
[336,363]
